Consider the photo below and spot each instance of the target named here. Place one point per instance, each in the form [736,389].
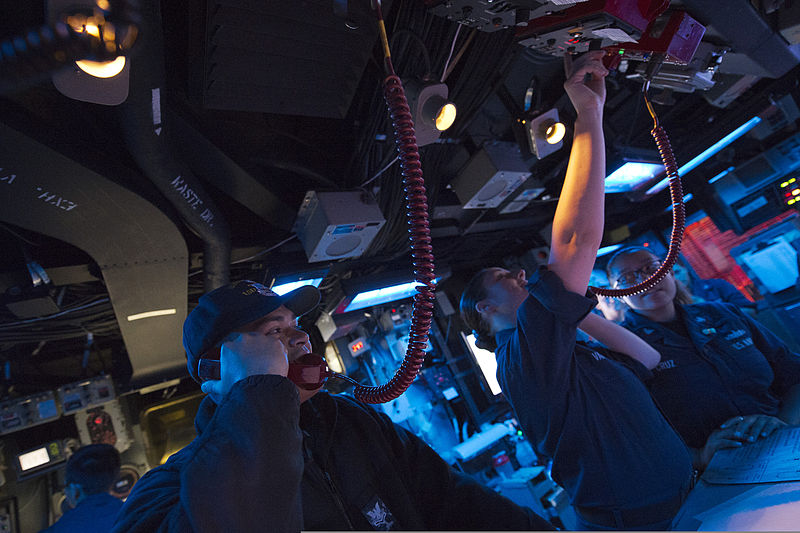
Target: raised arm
[578,221]
[619,339]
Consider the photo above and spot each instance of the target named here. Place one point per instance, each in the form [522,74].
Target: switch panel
[83,394]
[29,411]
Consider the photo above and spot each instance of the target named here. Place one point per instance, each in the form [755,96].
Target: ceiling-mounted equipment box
[336,225]
[572,30]
[491,175]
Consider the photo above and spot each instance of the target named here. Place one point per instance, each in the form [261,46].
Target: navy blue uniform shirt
[611,447]
[95,513]
[730,366]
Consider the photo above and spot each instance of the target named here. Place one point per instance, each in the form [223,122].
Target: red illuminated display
[357,346]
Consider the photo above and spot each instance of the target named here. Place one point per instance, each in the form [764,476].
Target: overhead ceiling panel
[293,58]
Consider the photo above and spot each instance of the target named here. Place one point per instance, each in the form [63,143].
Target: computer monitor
[486,361]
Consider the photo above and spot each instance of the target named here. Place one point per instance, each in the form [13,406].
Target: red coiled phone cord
[419,235]
[678,210]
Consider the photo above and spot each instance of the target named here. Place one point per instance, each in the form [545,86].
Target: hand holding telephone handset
[308,372]
[253,353]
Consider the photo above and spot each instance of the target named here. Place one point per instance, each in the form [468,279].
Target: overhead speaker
[491,175]
[337,225]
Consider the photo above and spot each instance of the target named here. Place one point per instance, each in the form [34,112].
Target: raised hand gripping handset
[309,371]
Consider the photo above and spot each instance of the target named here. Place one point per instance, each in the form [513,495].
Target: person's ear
[484,307]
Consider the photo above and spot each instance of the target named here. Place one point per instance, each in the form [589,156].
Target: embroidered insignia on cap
[265,291]
[251,288]
[379,515]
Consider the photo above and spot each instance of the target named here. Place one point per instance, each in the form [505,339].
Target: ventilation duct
[146,129]
[140,252]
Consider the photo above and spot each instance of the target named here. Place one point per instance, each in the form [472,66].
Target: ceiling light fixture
[431,109]
[97,82]
[545,133]
[554,131]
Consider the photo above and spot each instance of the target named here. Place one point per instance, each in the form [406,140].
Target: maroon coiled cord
[419,235]
[678,211]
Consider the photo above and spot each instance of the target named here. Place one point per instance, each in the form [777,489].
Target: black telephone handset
[309,371]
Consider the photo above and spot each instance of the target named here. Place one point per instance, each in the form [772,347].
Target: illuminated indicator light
[795,192]
[646,245]
[622,52]
[357,346]
[98,420]
[788,194]
[790,202]
[792,180]
[784,184]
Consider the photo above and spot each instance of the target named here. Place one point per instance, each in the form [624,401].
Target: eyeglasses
[632,277]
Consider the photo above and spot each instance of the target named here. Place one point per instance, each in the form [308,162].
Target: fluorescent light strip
[721,175]
[149,314]
[686,198]
[379,296]
[608,249]
[631,174]
[708,152]
[384,295]
[283,288]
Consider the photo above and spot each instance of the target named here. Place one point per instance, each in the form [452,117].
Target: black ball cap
[228,308]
